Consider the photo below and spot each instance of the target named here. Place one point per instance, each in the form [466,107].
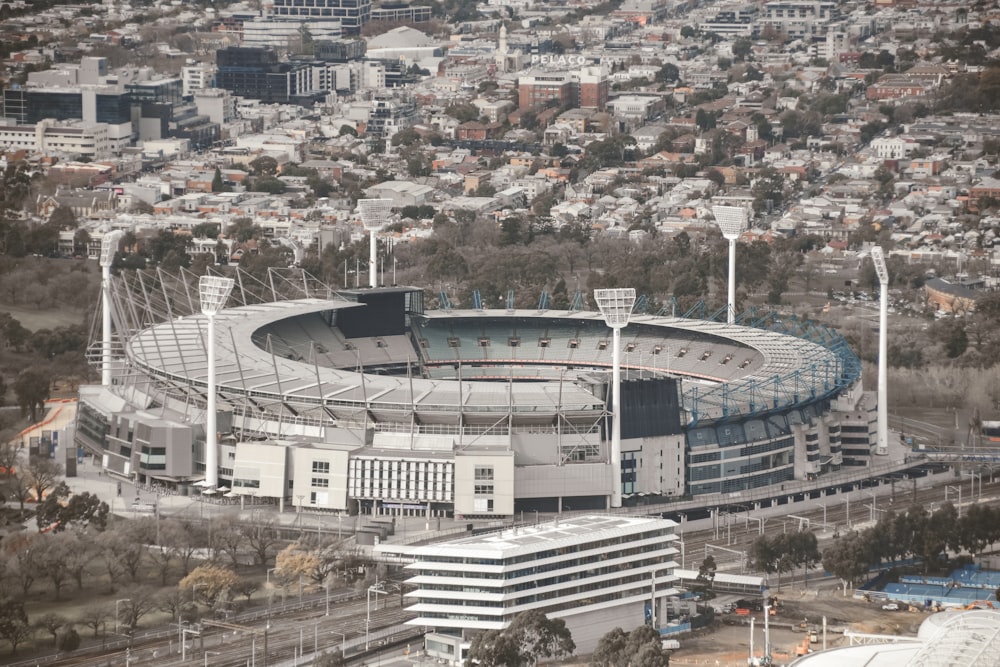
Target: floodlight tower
[878,259]
[374,215]
[109,246]
[213,291]
[731,220]
[616,307]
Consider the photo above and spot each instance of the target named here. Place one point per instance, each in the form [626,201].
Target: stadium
[364,400]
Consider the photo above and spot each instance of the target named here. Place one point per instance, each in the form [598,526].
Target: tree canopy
[530,637]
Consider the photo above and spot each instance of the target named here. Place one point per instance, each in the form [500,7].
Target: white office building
[596,572]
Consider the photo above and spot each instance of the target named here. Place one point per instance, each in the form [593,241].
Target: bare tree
[141,601]
[51,623]
[246,588]
[9,453]
[261,537]
[96,618]
[79,558]
[52,558]
[177,603]
[20,487]
[182,539]
[22,565]
[43,473]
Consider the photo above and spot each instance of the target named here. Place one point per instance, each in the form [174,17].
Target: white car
[890,606]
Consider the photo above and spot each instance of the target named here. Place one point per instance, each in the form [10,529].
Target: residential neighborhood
[839,121]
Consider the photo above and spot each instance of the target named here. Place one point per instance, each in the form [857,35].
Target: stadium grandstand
[363,400]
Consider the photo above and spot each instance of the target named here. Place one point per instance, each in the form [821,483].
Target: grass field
[48,318]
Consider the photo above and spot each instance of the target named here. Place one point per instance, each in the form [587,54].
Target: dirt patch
[727,642]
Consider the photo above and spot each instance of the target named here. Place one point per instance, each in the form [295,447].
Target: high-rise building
[594,87]
[197,76]
[352,13]
[255,73]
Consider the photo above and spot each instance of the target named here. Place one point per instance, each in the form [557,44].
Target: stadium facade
[366,401]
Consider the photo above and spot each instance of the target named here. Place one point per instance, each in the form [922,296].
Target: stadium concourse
[365,401]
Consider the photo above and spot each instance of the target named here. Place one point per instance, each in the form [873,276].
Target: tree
[51,623]
[295,561]
[218,185]
[641,647]
[209,582]
[32,389]
[261,536]
[69,641]
[530,637]
[848,558]
[668,73]
[95,617]
[141,601]
[43,472]
[329,659]
[10,451]
[52,558]
[610,651]
[706,578]
[264,166]
[62,217]
[14,625]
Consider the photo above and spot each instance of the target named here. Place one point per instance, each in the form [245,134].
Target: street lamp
[213,291]
[109,245]
[878,259]
[731,221]
[616,307]
[117,602]
[374,215]
[207,653]
[955,488]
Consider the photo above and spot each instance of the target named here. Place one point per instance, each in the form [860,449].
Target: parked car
[890,606]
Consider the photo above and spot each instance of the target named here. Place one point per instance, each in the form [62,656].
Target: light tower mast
[616,307]
[213,291]
[878,259]
[109,246]
[731,220]
[374,215]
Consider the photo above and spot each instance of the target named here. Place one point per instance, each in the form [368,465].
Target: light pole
[213,291]
[374,215]
[343,641]
[117,602]
[731,221]
[878,259]
[873,506]
[959,490]
[823,505]
[109,245]
[616,307]
[207,653]
[327,582]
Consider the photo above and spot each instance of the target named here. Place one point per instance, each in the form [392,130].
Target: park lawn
[49,318]
[74,603]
